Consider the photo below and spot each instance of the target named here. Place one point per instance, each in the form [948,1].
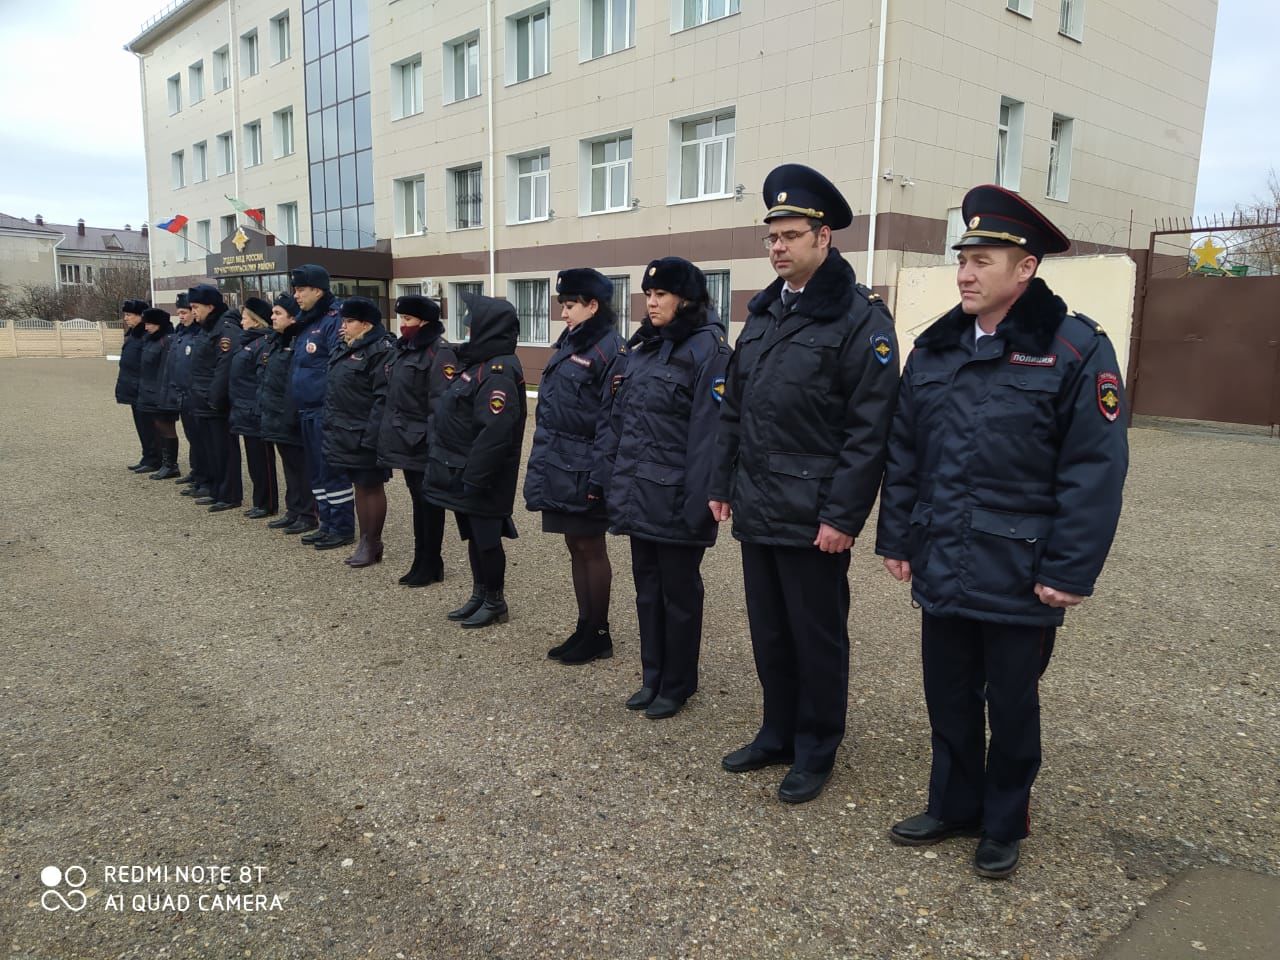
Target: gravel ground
[185,688]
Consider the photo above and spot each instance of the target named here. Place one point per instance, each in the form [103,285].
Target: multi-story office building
[485,144]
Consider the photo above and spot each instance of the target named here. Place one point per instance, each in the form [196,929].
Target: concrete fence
[58,338]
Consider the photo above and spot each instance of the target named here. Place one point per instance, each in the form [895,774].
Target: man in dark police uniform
[808,400]
[1001,497]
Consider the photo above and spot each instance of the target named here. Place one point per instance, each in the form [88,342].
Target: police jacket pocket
[660,490]
[1020,400]
[800,502]
[1005,551]
[444,470]
[568,470]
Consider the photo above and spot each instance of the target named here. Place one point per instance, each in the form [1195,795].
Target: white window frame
[1023,8]
[203,230]
[287,222]
[468,46]
[409,201]
[252,145]
[610,172]
[177,170]
[221,69]
[282,132]
[250,55]
[457,310]
[530,45]
[200,161]
[610,45]
[184,245]
[533,183]
[703,11]
[621,303]
[226,225]
[1071,19]
[955,230]
[226,150]
[173,90]
[408,290]
[281,41]
[1058,181]
[195,82]
[475,174]
[1009,130]
[533,293]
[406,87]
[705,147]
[720,292]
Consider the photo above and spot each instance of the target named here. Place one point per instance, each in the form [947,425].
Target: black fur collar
[1030,324]
[827,296]
[588,334]
[687,321]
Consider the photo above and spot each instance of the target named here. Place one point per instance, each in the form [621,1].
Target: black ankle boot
[559,650]
[492,610]
[423,573]
[594,644]
[473,604]
[168,460]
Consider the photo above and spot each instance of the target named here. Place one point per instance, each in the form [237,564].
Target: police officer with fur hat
[210,375]
[568,464]
[246,415]
[1001,496]
[420,368]
[801,445]
[178,383]
[280,426]
[317,338]
[127,377]
[153,394]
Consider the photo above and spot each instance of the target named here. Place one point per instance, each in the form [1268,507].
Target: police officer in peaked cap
[800,450]
[1001,496]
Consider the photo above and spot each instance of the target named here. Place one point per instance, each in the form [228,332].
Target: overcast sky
[71,120]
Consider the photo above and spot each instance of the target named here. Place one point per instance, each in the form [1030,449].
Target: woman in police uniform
[568,463]
[153,392]
[246,414]
[354,398]
[127,382]
[664,413]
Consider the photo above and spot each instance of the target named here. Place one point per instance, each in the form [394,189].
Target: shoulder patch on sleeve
[717,389]
[1109,395]
[882,347]
[224,344]
[497,402]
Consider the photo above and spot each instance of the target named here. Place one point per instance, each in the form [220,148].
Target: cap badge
[653,271]
[782,197]
[974,223]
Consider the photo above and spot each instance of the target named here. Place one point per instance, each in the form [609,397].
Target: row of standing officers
[998,457]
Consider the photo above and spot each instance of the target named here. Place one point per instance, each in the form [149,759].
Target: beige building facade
[486,144]
[37,253]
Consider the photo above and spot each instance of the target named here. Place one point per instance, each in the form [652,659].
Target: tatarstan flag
[254,214]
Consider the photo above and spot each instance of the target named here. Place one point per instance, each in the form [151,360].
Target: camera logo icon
[53,899]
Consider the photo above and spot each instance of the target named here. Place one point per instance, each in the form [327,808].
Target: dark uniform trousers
[335,499]
[669,597]
[972,667]
[221,456]
[261,461]
[798,609]
[298,501]
[144,424]
[195,443]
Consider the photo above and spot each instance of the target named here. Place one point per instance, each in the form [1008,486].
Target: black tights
[592,577]
[488,567]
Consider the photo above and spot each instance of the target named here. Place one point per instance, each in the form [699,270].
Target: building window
[281,45]
[282,124]
[249,54]
[226,153]
[88,273]
[532,300]
[195,81]
[184,245]
[1059,185]
[693,13]
[410,198]
[226,226]
[608,162]
[460,317]
[203,238]
[532,177]
[178,170]
[621,303]
[199,162]
[222,69]
[406,88]
[955,230]
[466,198]
[462,69]
[1009,144]
[528,45]
[253,143]
[607,27]
[174,87]
[1071,22]
[705,161]
[287,222]
[408,289]
[1022,7]
[721,293]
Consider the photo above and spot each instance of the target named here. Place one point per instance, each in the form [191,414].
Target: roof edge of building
[176,12]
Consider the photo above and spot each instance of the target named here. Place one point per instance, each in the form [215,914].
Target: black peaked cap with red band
[995,216]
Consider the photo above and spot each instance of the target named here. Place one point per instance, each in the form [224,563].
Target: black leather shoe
[206,500]
[593,644]
[492,610]
[257,513]
[279,523]
[145,467]
[641,698]
[801,786]
[166,472]
[317,534]
[134,467]
[300,526]
[663,707]
[474,603]
[184,481]
[996,858]
[423,574]
[753,758]
[335,540]
[195,491]
[222,505]
[559,650]
[923,830]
